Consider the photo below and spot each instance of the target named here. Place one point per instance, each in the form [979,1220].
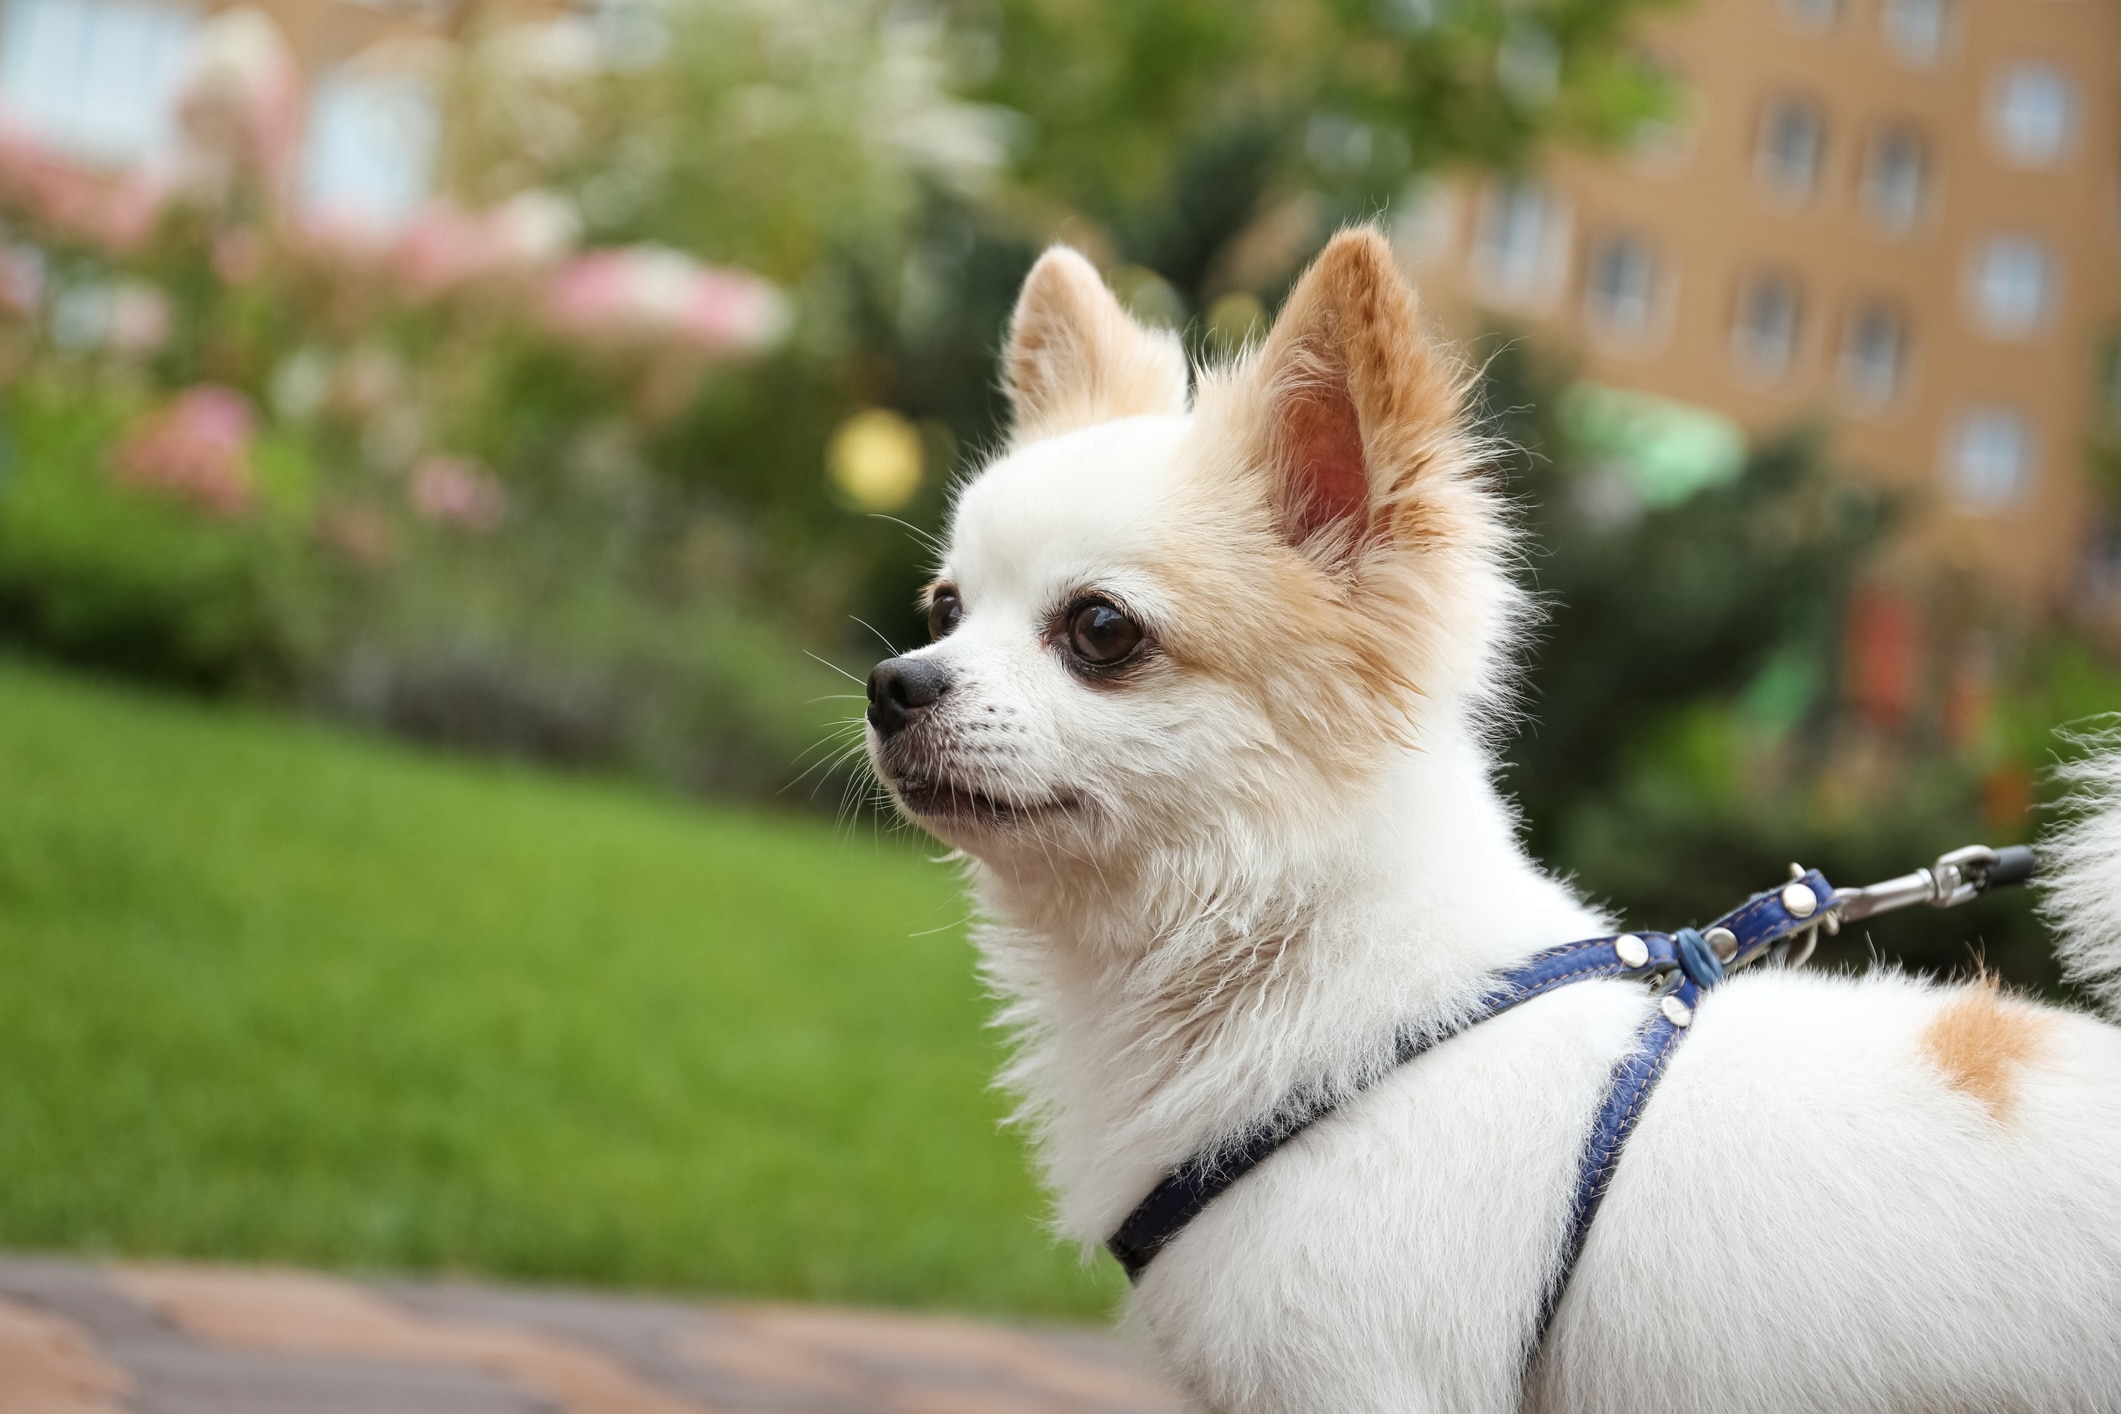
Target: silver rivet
[1631,950]
[1800,900]
[1676,1011]
[1723,942]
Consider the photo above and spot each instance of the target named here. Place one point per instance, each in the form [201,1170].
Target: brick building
[1899,216]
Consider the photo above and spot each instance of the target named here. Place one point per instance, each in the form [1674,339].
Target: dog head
[1156,625]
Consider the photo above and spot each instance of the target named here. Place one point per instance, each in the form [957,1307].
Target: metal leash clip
[1957,876]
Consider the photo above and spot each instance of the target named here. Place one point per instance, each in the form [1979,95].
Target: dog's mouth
[946,800]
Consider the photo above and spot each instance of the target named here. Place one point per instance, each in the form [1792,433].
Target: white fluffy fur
[2084,866]
[1812,1215]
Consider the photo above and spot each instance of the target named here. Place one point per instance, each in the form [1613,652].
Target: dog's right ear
[1075,357]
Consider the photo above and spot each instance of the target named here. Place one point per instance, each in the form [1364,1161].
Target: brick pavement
[77,1338]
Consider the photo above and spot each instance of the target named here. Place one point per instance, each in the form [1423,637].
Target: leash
[1781,924]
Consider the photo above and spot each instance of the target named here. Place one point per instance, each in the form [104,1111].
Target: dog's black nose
[900,687]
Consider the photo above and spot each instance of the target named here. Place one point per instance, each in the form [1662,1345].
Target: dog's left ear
[1353,402]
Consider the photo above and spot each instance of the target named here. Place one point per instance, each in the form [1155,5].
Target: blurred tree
[1735,593]
[1178,126]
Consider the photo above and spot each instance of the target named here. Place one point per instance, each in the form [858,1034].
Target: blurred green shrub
[491,650]
[100,573]
[448,477]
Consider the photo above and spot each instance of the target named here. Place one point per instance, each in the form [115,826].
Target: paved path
[150,1339]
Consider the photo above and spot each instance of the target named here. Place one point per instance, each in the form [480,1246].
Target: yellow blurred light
[874,460]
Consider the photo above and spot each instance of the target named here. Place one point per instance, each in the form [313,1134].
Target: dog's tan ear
[1352,401]
[1075,357]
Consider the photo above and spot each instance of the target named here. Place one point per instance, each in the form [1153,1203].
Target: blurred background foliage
[1694,710]
[613,452]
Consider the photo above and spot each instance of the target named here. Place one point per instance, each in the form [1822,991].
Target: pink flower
[118,215]
[728,312]
[589,292]
[651,293]
[130,211]
[196,449]
[441,247]
[458,492]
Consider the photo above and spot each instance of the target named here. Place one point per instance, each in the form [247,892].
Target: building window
[1874,355]
[1620,286]
[96,79]
[1521,226]
[1764,335]
[2014,285]
[1989,459]
[1792,138]
[1812,16]
[1918,31]
[371,151]
[2032,114]
[1896,179]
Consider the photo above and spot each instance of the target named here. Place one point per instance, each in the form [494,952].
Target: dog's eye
[943,612]
[1101,635]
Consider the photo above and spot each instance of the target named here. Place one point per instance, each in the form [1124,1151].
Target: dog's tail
[2081,866]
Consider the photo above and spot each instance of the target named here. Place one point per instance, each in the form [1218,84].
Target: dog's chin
[949,808]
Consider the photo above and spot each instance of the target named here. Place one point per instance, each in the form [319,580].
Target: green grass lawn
[268,992]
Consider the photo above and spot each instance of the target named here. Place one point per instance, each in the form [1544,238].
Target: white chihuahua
[1208,709]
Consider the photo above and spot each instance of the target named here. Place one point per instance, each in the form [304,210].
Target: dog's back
[1867,1194]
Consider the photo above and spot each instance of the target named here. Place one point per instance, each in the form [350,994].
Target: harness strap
[1188,1189]
[1739,937]
[1626,1094]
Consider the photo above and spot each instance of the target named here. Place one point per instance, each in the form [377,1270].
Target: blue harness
[1678,967]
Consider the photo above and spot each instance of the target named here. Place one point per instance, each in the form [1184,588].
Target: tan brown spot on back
[1981,1039]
